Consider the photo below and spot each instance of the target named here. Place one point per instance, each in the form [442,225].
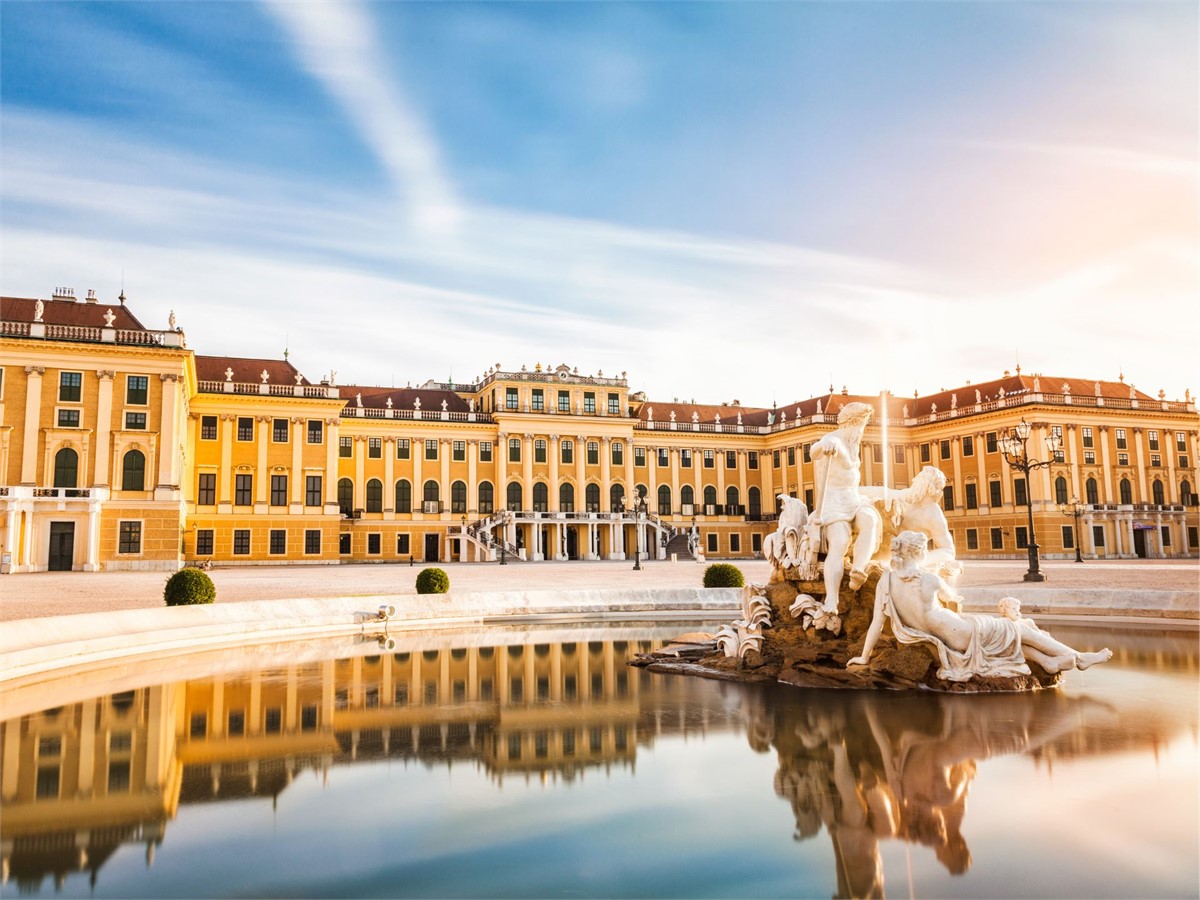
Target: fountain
[893,619]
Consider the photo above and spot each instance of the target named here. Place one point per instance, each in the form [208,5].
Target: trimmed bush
[723,575]
[188,587]
[432,581]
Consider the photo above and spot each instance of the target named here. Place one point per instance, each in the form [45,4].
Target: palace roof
[247,370]
[80,313]
[403,398]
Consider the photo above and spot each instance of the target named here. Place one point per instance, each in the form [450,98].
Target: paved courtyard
[64,593]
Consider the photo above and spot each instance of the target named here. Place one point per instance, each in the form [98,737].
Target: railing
[428,415]
[62,493]
[90,334]
[1134,507]
[319,391]
[547,377]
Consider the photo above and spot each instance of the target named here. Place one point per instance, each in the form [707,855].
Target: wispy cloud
[1099,156]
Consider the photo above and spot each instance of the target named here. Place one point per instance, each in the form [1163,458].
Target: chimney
[63,293]
[91,296]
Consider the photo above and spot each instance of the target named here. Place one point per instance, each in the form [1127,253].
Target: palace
[122,448]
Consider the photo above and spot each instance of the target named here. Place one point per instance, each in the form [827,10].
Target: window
[614,404]
[1183,462]
[374,448]
[204,542]
[1152,439]
[755,503]
[403,448]
[137,390]
[948,498]
[345,541]
[925,453]
[431,449]
[566,498]
[1098,535]
[1020,494]
[485,451]
[279,431]
[316,431]
[510,398]
[243,490]
[1022,537]
[639,456]
[664,500]
[68,418]
[206,489]
[374,496]
[756,543]
[593,453]
[541,497]
[1126,492]
[685,459]
[735,543]
[133,471]
[245,428]
[486,497]
[664,457]
[1088,439]
[1060,489]
[539,450]
[995,499]
[277,543]
[1158,493]
[990,442]
[514,449]
[618,453]
[687,499]
[709,460]
[1089,457]
[458,451]
[710,501]
[135,421]
[808,498]
[374,544]
[513,498]
[972,495]
[1122,443]
[458,497]
[897,454]
[345,447]
[972,539]
[968,445]
[312,540]
[589,401]
[775,458]
[1165,531]
[539,400]
[564,401]
[313,495]
[1068,537]
[129,537]
[1155,460]
[876,454]
[1180,442]
[616,498]
[944,448]
[591,496]
[1092,491]
[66,468]
[403,493]
[752,459]
[1122,459]
[997,539]
[279,490]
[712,542]
[433,497]
[402,545]
[208,428]
[1193,537]
[1186,497]
[70,387]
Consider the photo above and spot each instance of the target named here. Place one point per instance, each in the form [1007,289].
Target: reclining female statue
[923,608]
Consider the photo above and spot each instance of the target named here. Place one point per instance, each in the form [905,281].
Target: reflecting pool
[532,762]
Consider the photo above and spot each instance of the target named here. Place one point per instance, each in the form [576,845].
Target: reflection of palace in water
[81,780]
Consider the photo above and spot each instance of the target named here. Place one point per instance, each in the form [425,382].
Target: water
[534,763]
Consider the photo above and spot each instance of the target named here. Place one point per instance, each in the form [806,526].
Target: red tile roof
[1020,385]
[402,398]
[69,312]
[247,370]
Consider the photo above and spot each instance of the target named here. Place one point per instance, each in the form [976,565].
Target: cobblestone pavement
[63,593]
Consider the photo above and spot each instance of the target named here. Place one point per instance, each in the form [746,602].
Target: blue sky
[748,200]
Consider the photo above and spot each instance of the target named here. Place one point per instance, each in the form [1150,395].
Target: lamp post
[1074,509]
[1015,447]
[639,509]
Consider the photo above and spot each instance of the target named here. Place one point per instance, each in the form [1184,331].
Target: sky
[743,200]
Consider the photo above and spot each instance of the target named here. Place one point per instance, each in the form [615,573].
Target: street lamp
[1074,509]
[639,510]
[1014,446]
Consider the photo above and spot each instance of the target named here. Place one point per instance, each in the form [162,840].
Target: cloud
[1100,156]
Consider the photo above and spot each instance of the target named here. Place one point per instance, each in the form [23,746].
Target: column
[296,479]
[605,471]
[92,562]
[225,476]
[1140,462]
[981,472]
[33,415]
[1086,537]
[743,489]
[389,477]
[169,459]
[103,442]
[1073,458]
[1106,466]
[418,489]
[87,747]
[444,457]
[652,478]
[262,472]
[331,465]
[527,470]
[552,455]
[473,475]
[360,471]
[581,472]
[719,465]
[501,457]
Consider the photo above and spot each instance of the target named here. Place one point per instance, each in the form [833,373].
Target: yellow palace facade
[122,448]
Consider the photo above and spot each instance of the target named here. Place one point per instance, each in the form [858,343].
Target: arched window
[458,497]
[591,496]
[374,495]
[133,471]
[541,497]
[687,497]
[1126,492]
[664,500]
[1157,489]
[403,496]
[346,496]
[486,497]
[710,495]
[514,496]
[755,503]
[616,497]
[433,491]
[1186,497]
[1060,490]
[1092,491]
[566,497]
[66,468]
[731,501]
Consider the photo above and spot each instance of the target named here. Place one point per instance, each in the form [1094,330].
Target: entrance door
[1139,543]
[572,544]
[62,546]
[431,548]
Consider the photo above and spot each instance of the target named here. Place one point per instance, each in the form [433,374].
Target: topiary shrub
[432,581]
[187,587]
[723,575]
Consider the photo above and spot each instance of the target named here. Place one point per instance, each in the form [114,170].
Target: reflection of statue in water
[925,609]
[841,512]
